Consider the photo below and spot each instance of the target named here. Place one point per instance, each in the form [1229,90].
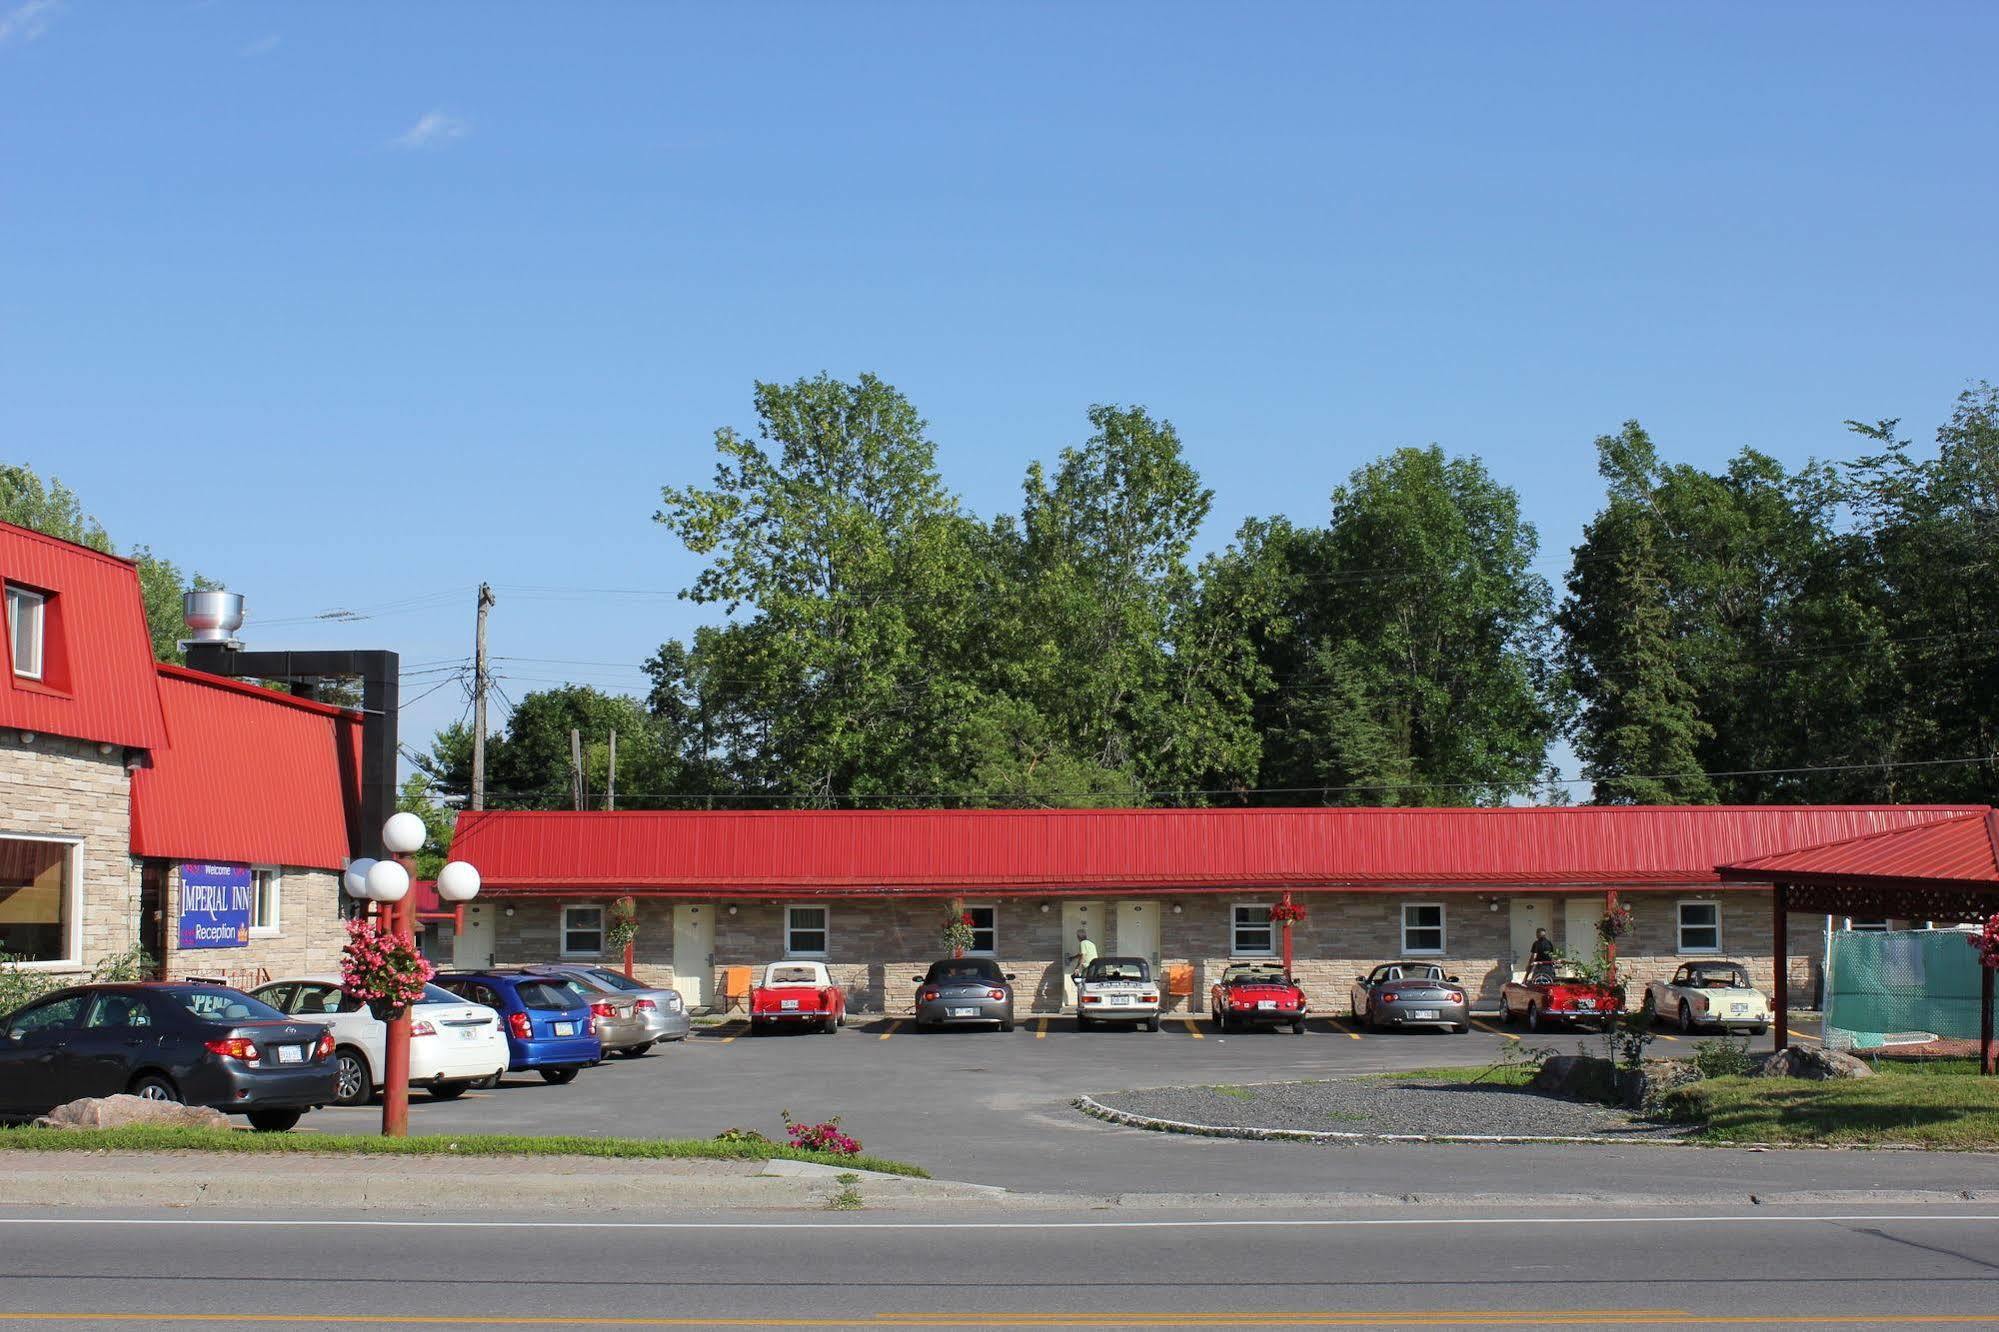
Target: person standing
[1543,949]
[1086,953]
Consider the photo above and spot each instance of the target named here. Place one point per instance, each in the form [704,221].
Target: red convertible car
[796,994]
[1250,993]
[1557,992]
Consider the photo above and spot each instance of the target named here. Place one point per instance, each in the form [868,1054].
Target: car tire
[487,1083]
[154,1087]
[1082,1023]
[829,1026]
[1298,1027]
[1461,1029]
[1760,1030]
[448,1091]
[558,1077]
[1006,1023]
[275,1121]
[1686,1017]
[1150,1024]
[1534,1017]
[637,1051]
[352,1085]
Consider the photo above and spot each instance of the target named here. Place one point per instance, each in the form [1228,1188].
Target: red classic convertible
[1557,992]
[1252,993]
[796,993]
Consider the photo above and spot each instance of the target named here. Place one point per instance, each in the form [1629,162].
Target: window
[24,630]
[38,882]
[1700,927]
[1250,933]
[1868,926]
[582,931]
[1422,928]
[985,928]
[267,883]
[805,931]
[53,1015]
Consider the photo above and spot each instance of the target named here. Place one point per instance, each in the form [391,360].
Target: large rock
[95,1112]
[1813,1065]
[1582,1077]
[1642,1088]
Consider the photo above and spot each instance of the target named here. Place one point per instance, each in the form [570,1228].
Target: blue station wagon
[550,1028]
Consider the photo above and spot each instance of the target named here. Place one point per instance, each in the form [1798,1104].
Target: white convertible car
[1710,994]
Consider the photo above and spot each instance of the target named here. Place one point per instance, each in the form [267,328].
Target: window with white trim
[1700,927]
[1868,926]
[1422,929]
[583,931]
[985,929]
[806,930]
[25,617]
[1250,932]
[267,890]
[39,887]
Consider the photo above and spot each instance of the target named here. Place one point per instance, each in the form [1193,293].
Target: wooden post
[1610,945]
[1780,983]
[1287,934]
[1984,1019]
[401,918]
[628,961]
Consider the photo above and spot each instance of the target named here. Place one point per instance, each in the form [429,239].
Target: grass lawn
[1926,1105]
[471,1144]
[1497,1075]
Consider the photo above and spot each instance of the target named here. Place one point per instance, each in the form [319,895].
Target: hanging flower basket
[383,970]
[958,934]
[1287,913]
[1616,923]
[1987,944]
[624,923]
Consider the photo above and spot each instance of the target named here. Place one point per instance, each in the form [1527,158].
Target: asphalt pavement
[1598,1267]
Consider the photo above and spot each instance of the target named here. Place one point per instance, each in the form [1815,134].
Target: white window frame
[1680,927]
[72,905]
[18,600]
[273,927]
[824,929]
[1442,927]
[1237,926]
[992,948]
[562,929]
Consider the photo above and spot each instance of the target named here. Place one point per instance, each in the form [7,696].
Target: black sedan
[964,991]
[201,1044]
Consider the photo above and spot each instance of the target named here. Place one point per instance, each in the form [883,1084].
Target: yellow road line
[1807,1036]
[737,1031]
[1041,1029]
[1494,1030]
[1344,1030]
[1193,1030]
[1664,1037]
[1232,1318]
[892,1025]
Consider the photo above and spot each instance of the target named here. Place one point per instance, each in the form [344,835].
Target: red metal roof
[97,679]
[939,852]
[1963,849]
[248,776]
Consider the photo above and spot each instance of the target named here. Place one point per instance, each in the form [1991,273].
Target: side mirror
[1010,975]
[1076,976]
[1360,980]
[916,980]
[15,1033]
[1454,980]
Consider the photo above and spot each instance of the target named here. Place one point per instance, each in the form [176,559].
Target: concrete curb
[1096,1109]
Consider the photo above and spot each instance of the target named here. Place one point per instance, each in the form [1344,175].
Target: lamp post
[387,884]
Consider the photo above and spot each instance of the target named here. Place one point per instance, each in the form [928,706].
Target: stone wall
[308,939]
[57,787]
[876,947]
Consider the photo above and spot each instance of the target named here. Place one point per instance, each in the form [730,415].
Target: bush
[1724,1058]
[824,1137]
[743,1135]
[20,987]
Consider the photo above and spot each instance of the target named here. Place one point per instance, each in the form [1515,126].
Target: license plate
[468,1034]
[565,1028]
[1738,1008]
[1423,1015]
[1585,1003]
[964,1012]
[1266,1003]
[291,1054]
[1121,999]
[787,1003]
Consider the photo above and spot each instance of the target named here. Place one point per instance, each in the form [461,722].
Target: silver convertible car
[964,991]
[1410,994]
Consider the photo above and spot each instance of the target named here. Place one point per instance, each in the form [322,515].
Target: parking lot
[974,1104]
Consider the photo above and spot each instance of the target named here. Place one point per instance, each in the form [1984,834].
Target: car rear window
[220,1005]
[613,979]
[1121,969]
[967,968]
[549,995]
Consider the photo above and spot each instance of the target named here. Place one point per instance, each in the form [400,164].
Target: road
[1388,1267]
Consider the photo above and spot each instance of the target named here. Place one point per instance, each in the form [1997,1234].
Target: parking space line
[1193,1030]
[1664,1037]
[1041,1029]
[1807,1036]
[733,1034]
[1343,1029]
[1494,1030]
[892,1025]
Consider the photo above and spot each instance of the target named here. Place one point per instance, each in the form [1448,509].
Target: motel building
[146,806]
[867,892]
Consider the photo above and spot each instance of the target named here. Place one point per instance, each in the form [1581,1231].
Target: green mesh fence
[1902,987]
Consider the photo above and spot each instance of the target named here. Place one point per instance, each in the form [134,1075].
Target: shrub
[1724,1058]
[743,1135]
[824,1137]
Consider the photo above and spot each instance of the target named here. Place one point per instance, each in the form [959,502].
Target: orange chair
[735,988]
[1180,979]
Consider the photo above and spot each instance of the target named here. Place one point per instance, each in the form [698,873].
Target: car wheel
[153,1087]
[448,1091]
[274,1121]
[1082,1023]
[1759,1030]
[1298,1027]
[637,1051]
[829,1026]
[1533,1017]
[1006,1023]
[558,1076]
[487,1083]
[352,1086]
[1462,1028]
[1686,1017]
[1152,1024]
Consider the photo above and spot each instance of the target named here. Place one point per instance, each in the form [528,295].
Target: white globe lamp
[404,834]
[388,881]
[355,877]
[457,882]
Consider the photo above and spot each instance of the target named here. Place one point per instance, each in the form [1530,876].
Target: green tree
[528,761]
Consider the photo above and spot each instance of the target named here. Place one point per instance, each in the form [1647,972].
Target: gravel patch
[1374,1105]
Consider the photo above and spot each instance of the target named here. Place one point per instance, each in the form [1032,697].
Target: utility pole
[611,786]
[575,768]
[480,680]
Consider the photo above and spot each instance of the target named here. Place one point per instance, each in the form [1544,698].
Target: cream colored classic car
[1709,994]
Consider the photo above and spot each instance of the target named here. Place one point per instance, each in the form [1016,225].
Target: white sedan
[1710,994]
[453,1044]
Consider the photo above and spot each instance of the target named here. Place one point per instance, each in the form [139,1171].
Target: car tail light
[1389,997]
[645,1006]
[590,1026]
[1091,999]
[422,1029]
[518,1024]
[995,994]
[929,995]
[325,1046]
[603,1011]
[1455,997]
[235,1047]
[1143,998]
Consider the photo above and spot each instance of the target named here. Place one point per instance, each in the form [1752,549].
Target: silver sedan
[647,1015]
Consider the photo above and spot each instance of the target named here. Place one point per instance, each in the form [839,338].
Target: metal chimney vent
[212,617]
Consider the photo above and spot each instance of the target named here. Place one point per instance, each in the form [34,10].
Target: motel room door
[472,945]
[1077,916]
[1579,918]
[694,953]
[1138,933]
[1529,914]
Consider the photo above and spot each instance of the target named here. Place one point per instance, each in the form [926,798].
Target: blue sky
[355,306]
